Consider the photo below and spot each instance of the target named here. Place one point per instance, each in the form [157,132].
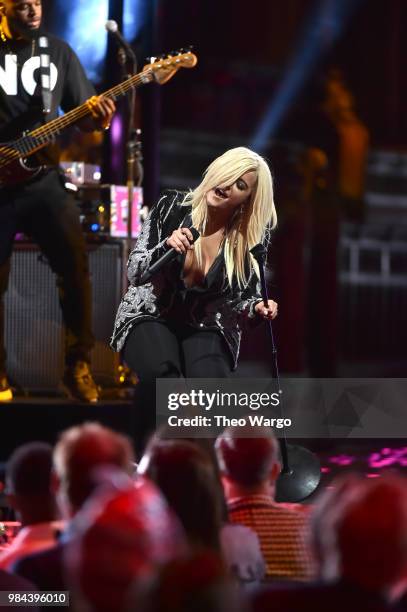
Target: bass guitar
[14,162]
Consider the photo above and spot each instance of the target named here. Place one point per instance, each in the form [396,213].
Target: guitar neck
[160,71]
[41,136]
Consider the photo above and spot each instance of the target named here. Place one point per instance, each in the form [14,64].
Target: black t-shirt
[20,93]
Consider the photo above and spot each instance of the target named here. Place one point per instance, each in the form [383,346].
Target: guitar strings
[54,127]
[13,154]
[120,89]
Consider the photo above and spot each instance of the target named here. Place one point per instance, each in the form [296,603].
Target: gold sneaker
[79,383]
[6,393]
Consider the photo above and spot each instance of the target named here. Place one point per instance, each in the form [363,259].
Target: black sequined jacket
[214,305]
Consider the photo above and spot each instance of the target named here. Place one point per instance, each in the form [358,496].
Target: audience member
[30,494]
[79,451]
[185,474]
[250,467]
[123,534]
[242,554]
[165,432]
[196,584]
[360,533]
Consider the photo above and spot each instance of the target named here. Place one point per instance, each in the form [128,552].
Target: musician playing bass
[38,74]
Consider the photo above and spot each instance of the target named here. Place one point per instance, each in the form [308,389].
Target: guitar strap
[45,75]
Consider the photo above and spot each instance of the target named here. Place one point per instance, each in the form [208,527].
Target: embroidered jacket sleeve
[150,245]
[245,301]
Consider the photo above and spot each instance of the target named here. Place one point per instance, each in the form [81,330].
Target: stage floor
[43,418]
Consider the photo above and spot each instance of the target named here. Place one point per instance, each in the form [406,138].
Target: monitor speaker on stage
[34,333]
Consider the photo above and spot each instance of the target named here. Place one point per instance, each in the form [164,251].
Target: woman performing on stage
[187,320]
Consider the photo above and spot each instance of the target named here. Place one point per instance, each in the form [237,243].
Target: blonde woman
[187,320]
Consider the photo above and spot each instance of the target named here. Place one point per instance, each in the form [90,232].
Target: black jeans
[47,213]
[155,349]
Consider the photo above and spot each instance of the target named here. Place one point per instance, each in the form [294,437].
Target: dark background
[245,52]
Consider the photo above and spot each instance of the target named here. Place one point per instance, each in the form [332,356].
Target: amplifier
[34,334]
[79,173]
[104,209]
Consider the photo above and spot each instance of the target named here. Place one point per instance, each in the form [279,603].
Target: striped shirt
[282,532]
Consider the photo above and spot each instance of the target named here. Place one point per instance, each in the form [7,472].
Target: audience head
[363,532]
[79,451]
[186,476]
[323,515]
[122,534]
[248,459]
[166,433]
[196,584]
[28,482]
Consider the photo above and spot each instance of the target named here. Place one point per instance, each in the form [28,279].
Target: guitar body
[17,171]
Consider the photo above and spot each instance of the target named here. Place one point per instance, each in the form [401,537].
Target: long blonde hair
[250,224]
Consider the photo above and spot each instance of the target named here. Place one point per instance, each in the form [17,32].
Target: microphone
[112,27]
[169,256]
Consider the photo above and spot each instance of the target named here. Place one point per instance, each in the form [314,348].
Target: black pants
[155,349]
[45,211]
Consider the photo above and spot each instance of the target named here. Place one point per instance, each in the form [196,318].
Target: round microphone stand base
[302,477]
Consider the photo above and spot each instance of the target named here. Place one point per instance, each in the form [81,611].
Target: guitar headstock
[165,66]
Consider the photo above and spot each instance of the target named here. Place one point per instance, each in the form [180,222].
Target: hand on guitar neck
[102,110]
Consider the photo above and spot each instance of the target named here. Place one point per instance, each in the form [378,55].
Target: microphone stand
[134,158]
[301,470]
[135,174]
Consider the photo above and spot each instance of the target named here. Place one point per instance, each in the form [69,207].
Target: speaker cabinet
[34,333]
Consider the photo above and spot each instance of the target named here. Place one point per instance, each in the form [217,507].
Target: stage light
[71,186]
[82,25]
[324,27]
[116,132]
[134,17]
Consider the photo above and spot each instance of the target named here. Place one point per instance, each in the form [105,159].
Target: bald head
[247,455]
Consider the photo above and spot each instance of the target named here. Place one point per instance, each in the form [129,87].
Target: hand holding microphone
[181,240]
